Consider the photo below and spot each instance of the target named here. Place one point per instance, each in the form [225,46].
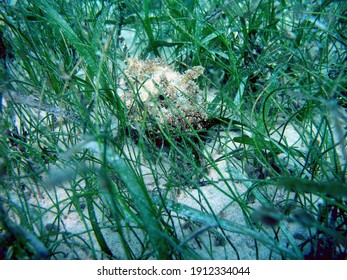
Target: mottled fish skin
[165,96]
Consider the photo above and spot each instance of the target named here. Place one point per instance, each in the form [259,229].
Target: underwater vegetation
[173,129]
